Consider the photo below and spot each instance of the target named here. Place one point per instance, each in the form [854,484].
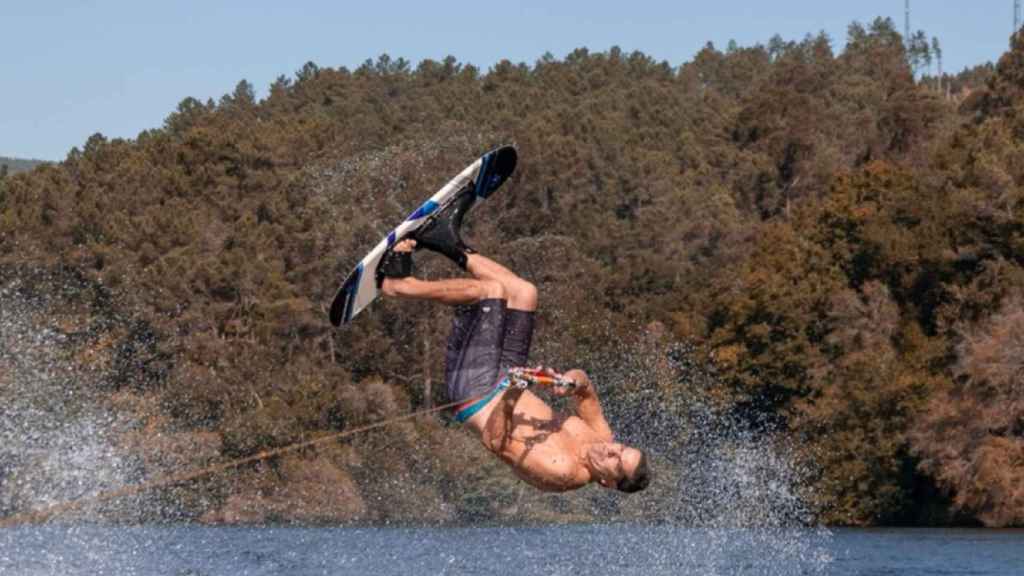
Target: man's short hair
[640,478]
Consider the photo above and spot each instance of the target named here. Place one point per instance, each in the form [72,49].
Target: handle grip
[522,377]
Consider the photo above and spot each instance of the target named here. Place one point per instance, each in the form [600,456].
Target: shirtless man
[491,333]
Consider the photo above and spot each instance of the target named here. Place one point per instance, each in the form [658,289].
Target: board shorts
[486,340]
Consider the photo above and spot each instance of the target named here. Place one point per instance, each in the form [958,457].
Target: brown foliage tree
[972,438]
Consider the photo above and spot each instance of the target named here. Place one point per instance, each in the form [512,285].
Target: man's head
[615,465]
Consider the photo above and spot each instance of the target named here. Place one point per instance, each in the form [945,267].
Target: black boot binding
[441,233]
[394,265]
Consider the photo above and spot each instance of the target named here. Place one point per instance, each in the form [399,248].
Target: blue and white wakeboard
[484,176]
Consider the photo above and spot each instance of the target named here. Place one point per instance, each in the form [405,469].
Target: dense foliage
[845,242]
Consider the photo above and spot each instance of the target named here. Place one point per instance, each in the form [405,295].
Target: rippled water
[620,549]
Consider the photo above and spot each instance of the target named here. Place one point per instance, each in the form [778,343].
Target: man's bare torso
[542,447]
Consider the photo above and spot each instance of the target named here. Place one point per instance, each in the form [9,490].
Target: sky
[118,67]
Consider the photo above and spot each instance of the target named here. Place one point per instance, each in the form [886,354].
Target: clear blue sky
[73,68]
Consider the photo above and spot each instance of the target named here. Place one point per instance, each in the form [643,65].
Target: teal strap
[467,413]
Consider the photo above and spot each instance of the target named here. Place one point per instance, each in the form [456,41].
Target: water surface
[594,550]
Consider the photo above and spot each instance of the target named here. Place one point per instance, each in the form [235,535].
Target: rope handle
[523,377]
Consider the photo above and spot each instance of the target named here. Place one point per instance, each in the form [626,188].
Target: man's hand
[582,384]
[560,385]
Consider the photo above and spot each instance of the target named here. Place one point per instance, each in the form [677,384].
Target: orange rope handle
[37,516]
[523,377]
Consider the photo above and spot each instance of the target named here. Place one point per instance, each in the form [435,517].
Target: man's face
[611,461]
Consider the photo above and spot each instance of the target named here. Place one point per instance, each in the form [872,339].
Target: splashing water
[740,484]
[55,436]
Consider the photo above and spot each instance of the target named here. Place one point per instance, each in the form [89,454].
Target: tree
[972,438]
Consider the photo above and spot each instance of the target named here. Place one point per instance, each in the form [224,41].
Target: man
[491,333]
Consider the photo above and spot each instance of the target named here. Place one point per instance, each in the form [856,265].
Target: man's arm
[588,406]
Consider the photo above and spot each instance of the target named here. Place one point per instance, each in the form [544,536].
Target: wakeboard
[483,176]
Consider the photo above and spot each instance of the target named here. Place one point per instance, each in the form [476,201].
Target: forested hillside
[840,244]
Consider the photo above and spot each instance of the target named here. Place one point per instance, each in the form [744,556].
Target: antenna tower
[906,22]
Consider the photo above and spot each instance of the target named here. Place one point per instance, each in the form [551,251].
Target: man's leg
[522,304]
[521,294]
[473,353]
[450,291]
[484,339]
[442,235]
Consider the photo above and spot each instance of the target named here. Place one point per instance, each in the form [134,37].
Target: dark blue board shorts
[486,340]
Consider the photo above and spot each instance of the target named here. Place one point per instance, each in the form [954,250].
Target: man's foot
[442,233]
[396,262]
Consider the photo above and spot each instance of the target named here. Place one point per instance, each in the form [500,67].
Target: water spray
[38,516]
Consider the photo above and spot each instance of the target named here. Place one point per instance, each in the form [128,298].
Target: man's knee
[523,295]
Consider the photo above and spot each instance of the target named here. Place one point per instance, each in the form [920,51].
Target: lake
[618,549]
